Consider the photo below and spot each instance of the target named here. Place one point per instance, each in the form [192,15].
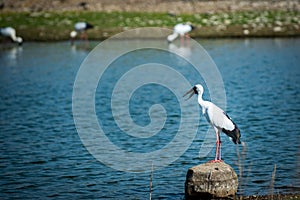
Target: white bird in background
[219,120]
[11,33]
[80,27]
[181,30]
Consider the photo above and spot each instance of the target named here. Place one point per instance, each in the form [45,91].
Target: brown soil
[170,6]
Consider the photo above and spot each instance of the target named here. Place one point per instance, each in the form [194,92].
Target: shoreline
[289,196]
[56,26]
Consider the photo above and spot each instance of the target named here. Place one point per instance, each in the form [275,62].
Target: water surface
[43,157]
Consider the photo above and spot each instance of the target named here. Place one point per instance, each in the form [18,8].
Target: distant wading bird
[80,27]
[10,32]
[181,30]
[219,120]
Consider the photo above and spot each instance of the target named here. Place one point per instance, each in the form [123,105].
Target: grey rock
[211,180]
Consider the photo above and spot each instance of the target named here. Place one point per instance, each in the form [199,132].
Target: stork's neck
[202,103]
[200,100]
[13,37]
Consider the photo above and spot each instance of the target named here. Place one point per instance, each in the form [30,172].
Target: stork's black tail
[89,26]
[235,134]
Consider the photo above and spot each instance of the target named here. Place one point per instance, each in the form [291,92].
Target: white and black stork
[218,119]
[80,27]
[10,32]
[181,30]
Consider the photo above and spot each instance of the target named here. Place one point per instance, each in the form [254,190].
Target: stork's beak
[191,92]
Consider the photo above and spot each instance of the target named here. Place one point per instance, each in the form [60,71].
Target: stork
[218,119]
[80,27]
[181,30]
[11,33]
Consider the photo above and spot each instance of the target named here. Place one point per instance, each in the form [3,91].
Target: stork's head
[19,40]
[190,24]
[197,89]
[73,34]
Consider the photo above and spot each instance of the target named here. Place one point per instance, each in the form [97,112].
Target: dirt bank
[170,6]
[44,20]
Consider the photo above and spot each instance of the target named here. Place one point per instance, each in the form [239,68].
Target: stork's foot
[215,161]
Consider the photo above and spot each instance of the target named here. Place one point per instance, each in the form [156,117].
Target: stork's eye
[195,90]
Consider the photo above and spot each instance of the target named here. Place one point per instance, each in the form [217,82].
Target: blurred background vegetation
[43,20]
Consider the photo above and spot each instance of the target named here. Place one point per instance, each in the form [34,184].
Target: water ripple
[42,155]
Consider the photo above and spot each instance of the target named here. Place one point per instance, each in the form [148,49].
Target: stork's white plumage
[181,30]
[80,27]
[11,33]
[219,120]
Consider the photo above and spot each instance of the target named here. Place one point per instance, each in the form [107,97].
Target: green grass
[57,25]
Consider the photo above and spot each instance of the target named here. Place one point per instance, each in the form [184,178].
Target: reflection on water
[184,51]
[83,46]
[10,54]
[43,156]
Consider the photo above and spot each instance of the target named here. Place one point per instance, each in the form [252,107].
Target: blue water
[43,157]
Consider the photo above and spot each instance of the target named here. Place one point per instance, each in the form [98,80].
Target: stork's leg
[218,147]
[181,40]
[84,36]
[220,144]
[187,36]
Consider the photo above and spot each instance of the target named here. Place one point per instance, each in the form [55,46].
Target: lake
[50,147]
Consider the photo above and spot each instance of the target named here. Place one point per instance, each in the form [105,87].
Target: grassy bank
[50,26]
[271,197]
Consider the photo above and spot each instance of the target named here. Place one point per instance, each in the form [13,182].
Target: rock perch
[211,180]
